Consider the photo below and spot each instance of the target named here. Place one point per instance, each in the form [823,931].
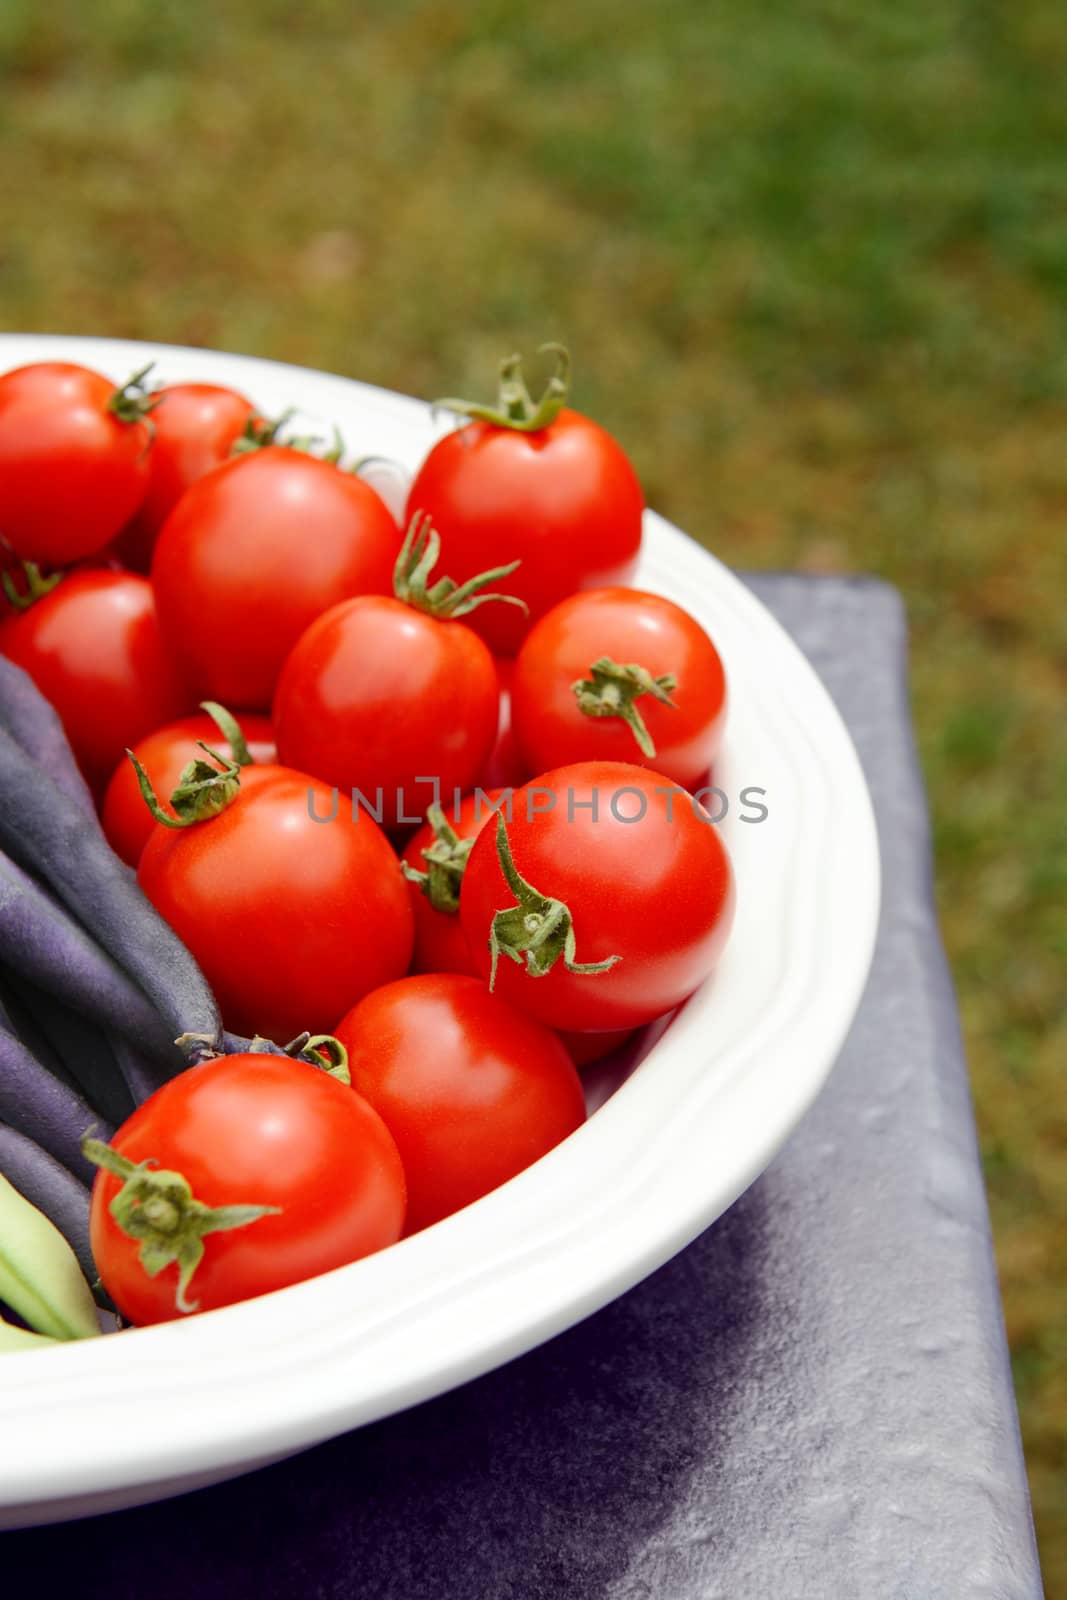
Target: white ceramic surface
[150,1412]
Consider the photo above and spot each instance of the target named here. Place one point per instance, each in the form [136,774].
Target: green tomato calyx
[203,789]
[612,688]
[446,862]
[536,930]
[136,400]
[445,598]
[37,585]
[312,444]
[231,731]
[260,432]
[515,409]
[321,1050]
[159,1210]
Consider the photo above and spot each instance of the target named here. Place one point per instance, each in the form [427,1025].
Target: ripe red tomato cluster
[268,683]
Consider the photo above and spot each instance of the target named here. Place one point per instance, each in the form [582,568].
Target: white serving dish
[134,1417]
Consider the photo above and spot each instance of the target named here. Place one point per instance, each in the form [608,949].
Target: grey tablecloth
[812,1402]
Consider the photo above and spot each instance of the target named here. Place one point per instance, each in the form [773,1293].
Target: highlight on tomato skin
[472,1090]
[616,946]
[255,1131]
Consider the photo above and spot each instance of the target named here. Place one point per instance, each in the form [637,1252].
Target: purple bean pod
[42,944]
[21,1013]
[46,832]
[84,1055]
[32,721]
[45,1110]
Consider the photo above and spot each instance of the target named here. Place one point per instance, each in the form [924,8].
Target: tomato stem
[320,1050]
[230,729]
[357,467]
[329,1054]
[445,598]
[446,861]
[159,1210]
[259,432]
[537,929]
[203,790]
[514,408]
[37,586]
[135,401]
[198,1048]
[307,442]
[337,449]
[612,688]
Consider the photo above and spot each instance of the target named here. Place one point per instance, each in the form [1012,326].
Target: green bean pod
[40,1279]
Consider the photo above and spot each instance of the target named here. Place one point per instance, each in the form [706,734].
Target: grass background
[812,262]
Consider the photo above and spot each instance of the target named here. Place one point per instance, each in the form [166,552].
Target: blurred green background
[812,262]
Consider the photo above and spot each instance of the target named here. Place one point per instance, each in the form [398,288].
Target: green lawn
[812,262]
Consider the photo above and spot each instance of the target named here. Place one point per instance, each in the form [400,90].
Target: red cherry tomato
[93,648]
[164,754]
[252,554]
[377,695]
[563,500]
[254,1130]
[630,629]
[72,471]
[291,919]
[196,425]
[440,943]
[472,1091]
[644,879]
